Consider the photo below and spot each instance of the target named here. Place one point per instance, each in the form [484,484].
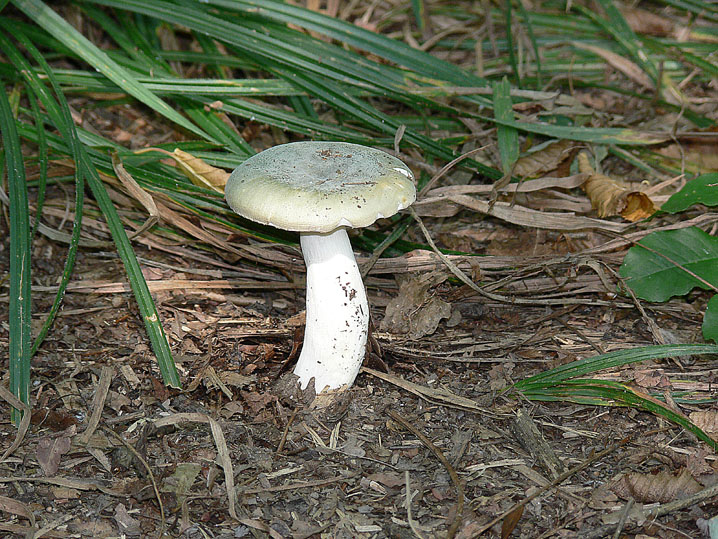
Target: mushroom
[319,189]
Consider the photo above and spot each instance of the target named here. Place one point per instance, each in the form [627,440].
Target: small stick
[449,468]
[624,517]
[280,447]
[149,473]
[409,496]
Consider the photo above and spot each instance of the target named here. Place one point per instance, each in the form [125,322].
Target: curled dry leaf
[661,487]
[200,173]
[608,197]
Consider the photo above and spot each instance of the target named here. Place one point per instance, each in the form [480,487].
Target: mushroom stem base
[337,313]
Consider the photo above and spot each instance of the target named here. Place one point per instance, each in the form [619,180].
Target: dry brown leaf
[699,155]
[624,65]
[646,22]
[707,421]
[660,487]
[608,197]
[49,453]
[510,522]
[142,196]
[200,173]
[15,507]
[416,311]
[126,523]
[542,161]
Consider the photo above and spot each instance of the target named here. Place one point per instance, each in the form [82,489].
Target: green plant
[671,263]
[566,383]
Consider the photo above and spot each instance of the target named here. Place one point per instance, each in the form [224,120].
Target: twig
[149,473]
[295,486]
[560,479]
[624,517]
[476,288]
[98,404]
[659,511]
[449,468]
[446,168]
[280,447]
[409,497]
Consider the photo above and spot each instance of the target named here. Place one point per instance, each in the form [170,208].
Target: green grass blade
[87,169]
[45,17]
[509,30]
[42,160]
[392,50]
[590,365]
[508,137]
[68,132]
[608,393]
[534,42]
[617,27]
[597,135]
[20,253]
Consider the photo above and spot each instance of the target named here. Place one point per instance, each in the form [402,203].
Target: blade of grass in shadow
[608,393]
[392,50]
[617,27]
[20,299]
[55,25]
[534,42]
[86,168]
[69,135]
[614,359]
[509,29]
[42,161]
[378,120]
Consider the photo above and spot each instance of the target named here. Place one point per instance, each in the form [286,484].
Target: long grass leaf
[20,279]
[66,128]
[86,168]
[42,161]
[55,25]
[614,359]
[609,393]
[508,137]
[390,49]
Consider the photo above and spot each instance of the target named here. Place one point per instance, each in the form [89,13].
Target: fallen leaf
[181,481]
[510,521]
[57,420]
[388,479]
[608,197]
[15,507]
[199,172]
[707,421]
[127,524]
[416,311]
[49,453]
[646,22]
[257,401]
[651,378]
[542,161]
[660,487]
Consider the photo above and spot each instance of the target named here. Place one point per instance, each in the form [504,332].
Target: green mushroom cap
[320,186]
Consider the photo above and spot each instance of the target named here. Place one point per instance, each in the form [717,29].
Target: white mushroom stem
[337,313]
